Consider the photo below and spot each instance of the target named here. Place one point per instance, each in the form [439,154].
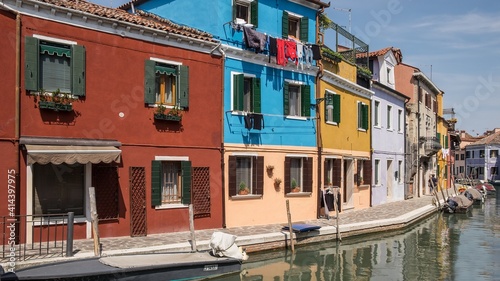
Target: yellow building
[344,133]
[442,156]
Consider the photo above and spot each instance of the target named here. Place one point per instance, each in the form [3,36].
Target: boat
[473,194]
[457,204]
[152,266]
[487,188]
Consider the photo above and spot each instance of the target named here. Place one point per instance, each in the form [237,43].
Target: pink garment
[291,51]
[280,53]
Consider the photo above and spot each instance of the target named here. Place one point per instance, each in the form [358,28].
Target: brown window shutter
[232,176]
[337,172]
[325,173]
[258,167]
[367,171]
[308,177]
[288,188]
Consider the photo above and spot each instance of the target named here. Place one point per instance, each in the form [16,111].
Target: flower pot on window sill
[55,106]
[297,189]
[168,117]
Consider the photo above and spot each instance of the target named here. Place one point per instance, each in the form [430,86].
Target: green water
[442,247]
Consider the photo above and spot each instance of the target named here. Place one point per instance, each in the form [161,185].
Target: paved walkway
[377,218]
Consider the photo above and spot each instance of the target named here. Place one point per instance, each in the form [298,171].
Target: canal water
[441,247]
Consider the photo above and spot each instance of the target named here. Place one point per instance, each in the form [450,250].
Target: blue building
[269,95]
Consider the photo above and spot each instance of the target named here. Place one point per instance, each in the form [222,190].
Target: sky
[456,43]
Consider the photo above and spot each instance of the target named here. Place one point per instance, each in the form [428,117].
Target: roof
[397,53]
[140,18]
[491,139]
[129,4]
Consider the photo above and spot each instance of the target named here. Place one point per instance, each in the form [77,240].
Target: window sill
[59,221]
[171,206]
[298,194]
[296,117]
[361,130]
[244,197]
[332,123]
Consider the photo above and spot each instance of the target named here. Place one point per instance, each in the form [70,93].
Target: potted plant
[331,55]
[295,187]
[173,115]
[269,169]
[277,183]
[243,190]
[56,101]
[364,72]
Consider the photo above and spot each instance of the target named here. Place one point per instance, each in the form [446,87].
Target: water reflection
[443,247]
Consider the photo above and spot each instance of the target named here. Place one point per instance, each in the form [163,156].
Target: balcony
[431,145]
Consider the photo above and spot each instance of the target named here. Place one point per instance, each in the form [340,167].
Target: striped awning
[71,154]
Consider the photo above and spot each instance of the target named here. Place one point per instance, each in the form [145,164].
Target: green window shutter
[183,86]
[155,183]
[305,96]
[186,182]
[254,13]
[437,172]
[438,136]
[78,70]
[336,108]
[284,26]
[149,82]
[238,86]
[286,99]
[31,63]
[446,142]
[256,95]
[364,109]
[304,29]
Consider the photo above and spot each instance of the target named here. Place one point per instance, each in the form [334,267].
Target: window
[332,107]
[171,182]
[494,153]
[362,116]
[58,189]
[481,153]
[53,66]
[166,83]
[462,156]
[472,155]
[377,172]
[296,26]
[297,99]
[333,172]
[376,116]
[246,93]
[400,120]
[493,171]
[298,174]
[246,175]
[467,154]
[400,171]
[389,117]
[246,10]
[389,75]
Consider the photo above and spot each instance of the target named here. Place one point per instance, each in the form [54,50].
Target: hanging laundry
[258,121]
[316,52]
[280,52]
[300,55]
[254,39]
[248,121]
[308,55]
[272,47]
[291,51]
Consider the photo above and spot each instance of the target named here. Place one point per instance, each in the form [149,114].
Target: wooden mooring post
[191,228]
[290,225]
[95,222]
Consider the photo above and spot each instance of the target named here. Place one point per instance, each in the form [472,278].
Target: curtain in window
[55,73]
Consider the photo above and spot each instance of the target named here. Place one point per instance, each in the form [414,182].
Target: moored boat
[457,204]
[486,188]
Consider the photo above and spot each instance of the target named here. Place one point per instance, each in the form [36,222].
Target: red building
[82,88]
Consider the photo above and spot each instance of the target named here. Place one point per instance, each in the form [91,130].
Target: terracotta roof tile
[140,18]
[491,139]
[381,52]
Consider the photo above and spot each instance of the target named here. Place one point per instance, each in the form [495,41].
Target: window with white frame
[377,172]
[494,153]
[171,182]
[296,26]
[58,189]
[362,116]
[389,117]
[332,107]
[246,11]
[376,115]
[246,93]
[166,83]
[54,65]
[400,120]
[297,99]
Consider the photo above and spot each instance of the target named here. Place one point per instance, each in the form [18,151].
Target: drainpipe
[17,93]
[319,141]
[222,151]
[406,168]
[418,138]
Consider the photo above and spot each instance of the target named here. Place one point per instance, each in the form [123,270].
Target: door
[348,182]
[390,180]
[138,224]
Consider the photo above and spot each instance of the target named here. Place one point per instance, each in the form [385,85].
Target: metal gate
[138,225]
[201,191]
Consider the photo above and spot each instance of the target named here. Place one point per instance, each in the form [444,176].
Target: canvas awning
[71,154]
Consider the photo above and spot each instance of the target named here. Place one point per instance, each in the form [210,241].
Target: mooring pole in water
[290,224]
[436,194]
[336,200]
[191,228]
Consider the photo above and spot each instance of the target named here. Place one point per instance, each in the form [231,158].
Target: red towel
[291,51]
